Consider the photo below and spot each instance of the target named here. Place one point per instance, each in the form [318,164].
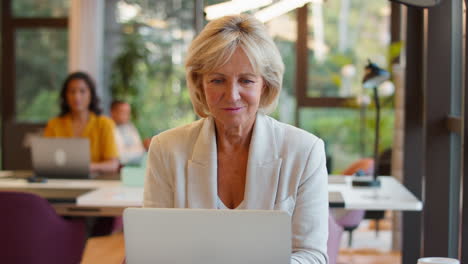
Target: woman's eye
[246,81]
[216,81]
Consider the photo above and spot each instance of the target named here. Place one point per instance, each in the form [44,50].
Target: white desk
[60,184]
[118,196]
[110,197]
[62,193]
[392,195]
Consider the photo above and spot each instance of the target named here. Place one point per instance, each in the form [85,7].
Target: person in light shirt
[131,149]
[236,156]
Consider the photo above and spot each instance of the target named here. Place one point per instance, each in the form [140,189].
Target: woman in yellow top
[80,116]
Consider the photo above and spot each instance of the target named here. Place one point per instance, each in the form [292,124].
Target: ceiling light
[280,8]
[233,7]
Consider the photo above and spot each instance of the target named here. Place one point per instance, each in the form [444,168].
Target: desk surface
[110,197]
[392,195]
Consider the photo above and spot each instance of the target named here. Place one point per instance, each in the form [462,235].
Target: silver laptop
[206,236]
[63,158]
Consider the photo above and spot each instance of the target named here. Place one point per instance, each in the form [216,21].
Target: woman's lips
[232,109]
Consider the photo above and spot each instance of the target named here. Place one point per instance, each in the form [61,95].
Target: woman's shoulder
[181,134]
[103,121]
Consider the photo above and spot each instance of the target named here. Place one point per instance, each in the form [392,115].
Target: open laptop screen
[208,236]
[65,158]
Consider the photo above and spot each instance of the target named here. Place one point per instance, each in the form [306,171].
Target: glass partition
[40,67]
[40,8]
[146,44]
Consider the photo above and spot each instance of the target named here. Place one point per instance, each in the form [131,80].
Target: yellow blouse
[99,130]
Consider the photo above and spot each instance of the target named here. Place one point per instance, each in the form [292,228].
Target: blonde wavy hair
[214,46]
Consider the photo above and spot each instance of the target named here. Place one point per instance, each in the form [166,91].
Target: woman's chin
[234,122]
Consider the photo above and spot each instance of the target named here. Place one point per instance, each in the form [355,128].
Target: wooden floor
[105,250]
[368,256]
[111,250]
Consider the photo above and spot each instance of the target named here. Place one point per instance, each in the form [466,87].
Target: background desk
[62,193]
[110,197]
[392,195]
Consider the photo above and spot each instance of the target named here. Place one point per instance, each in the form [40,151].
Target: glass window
[40,67]
[283,30]
[146,44]
[348,133]
[343,35]
[40,8]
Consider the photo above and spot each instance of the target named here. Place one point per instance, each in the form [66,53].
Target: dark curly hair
[93,105]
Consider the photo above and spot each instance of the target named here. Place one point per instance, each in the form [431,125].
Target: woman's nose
[233,91]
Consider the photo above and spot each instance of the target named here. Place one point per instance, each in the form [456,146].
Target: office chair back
[32,232]
[335,231]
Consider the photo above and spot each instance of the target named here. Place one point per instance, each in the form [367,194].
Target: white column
[86,30]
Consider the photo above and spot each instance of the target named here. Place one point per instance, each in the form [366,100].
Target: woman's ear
[264,87]
[263,94]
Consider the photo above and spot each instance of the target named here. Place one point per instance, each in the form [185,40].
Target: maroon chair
[32,232]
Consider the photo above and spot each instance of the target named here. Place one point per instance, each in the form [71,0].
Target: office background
[325,47]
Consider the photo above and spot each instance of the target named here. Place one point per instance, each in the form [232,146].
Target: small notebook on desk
[336,199]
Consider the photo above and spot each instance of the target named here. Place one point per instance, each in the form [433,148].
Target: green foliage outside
[365,28]
[42,8]
[340,129]
[149,71]
[156,86]
[41,67]
[41,61]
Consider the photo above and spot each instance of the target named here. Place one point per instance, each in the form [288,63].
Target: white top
[129,143]
[221,205]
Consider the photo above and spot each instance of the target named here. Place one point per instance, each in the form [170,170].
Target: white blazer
[285,171]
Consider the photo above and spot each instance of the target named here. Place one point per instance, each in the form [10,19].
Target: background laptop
[64,158]
[183,236]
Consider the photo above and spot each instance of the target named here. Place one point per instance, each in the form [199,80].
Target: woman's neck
[233,139]
[81,116]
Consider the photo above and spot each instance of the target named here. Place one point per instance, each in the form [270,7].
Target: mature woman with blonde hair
[236,157]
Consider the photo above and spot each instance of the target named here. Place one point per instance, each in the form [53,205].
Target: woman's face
[78,96]
[233,92]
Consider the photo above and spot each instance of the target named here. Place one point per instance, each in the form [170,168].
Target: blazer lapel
[202,169]
[264,165]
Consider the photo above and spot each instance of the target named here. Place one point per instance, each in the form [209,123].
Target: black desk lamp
[374,76]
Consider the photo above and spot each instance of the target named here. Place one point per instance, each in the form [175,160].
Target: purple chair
[351,221]
[353,218]
[334,238]
[32,232]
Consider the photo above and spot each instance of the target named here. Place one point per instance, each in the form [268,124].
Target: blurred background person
[80,116]
[129,144]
